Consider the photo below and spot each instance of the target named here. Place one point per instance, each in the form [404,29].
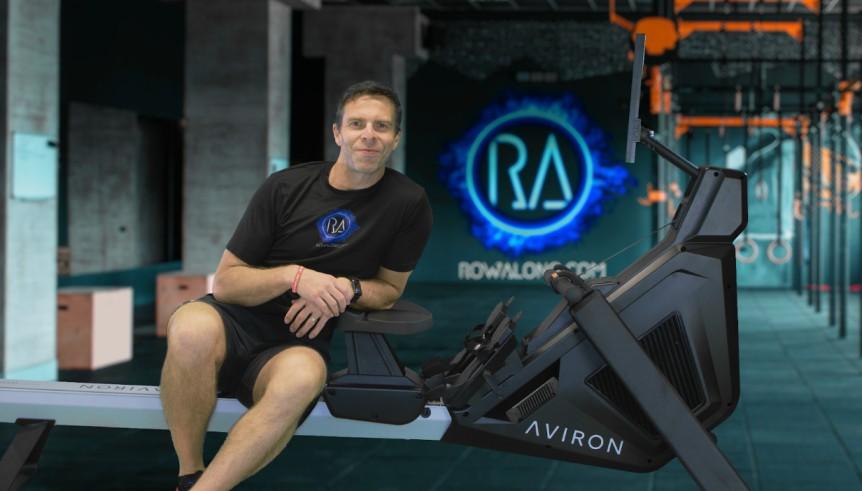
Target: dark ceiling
[793,8]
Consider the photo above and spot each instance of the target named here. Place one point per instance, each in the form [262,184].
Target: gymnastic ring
[755,251]
[775,244]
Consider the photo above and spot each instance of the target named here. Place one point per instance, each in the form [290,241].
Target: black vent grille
[667,345]
[534,401]
[549,377]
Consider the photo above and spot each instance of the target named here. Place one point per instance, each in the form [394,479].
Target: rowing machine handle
[567,284]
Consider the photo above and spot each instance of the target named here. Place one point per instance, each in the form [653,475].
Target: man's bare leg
[287,384]
[196,350]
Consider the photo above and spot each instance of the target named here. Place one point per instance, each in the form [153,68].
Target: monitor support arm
[647,137]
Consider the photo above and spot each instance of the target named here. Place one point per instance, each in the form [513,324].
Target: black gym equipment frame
[21,458]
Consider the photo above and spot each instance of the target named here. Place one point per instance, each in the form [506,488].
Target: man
[314,239]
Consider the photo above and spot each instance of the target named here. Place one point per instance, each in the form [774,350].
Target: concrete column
[28,196]
[103,200]
[363,43]
[237,106]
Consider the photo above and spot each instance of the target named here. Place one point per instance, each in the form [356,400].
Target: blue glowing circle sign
[485,152]
[533,175]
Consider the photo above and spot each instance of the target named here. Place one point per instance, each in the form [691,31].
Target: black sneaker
[185,483]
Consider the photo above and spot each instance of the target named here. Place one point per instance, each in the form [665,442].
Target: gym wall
[445,106]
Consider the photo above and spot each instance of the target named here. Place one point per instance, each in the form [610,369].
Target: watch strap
[357,289]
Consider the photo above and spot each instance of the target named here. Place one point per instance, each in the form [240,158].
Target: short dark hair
[372,88]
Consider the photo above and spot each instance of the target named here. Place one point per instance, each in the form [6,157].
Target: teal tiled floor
[798,425]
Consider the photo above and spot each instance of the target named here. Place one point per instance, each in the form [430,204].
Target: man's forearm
[377,295]
[250,286]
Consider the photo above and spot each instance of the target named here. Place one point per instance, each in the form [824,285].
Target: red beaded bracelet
[295,284]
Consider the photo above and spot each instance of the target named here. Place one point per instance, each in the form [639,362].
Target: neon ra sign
[533,175]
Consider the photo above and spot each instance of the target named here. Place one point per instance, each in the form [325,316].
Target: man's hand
[324,292]
[304,318]
[346,287]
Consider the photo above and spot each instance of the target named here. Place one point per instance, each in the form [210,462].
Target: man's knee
[196,331]
[296,375]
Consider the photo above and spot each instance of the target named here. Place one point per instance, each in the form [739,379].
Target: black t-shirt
[297,217]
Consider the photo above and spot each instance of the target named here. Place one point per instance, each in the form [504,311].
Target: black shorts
[252,340]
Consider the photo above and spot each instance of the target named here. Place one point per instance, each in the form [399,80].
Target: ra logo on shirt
[336,226]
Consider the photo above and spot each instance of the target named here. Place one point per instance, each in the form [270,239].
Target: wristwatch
[357,289]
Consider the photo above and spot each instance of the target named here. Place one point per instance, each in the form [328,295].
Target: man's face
[367,134]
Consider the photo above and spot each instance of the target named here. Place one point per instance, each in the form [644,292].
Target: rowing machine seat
[403,318]
[376,386]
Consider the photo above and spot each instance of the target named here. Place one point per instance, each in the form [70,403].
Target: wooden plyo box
[175,288]
[94,327]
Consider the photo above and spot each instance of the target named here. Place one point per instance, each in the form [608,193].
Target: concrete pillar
[111,226]
[29,46]
[363,43]
[237,106]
